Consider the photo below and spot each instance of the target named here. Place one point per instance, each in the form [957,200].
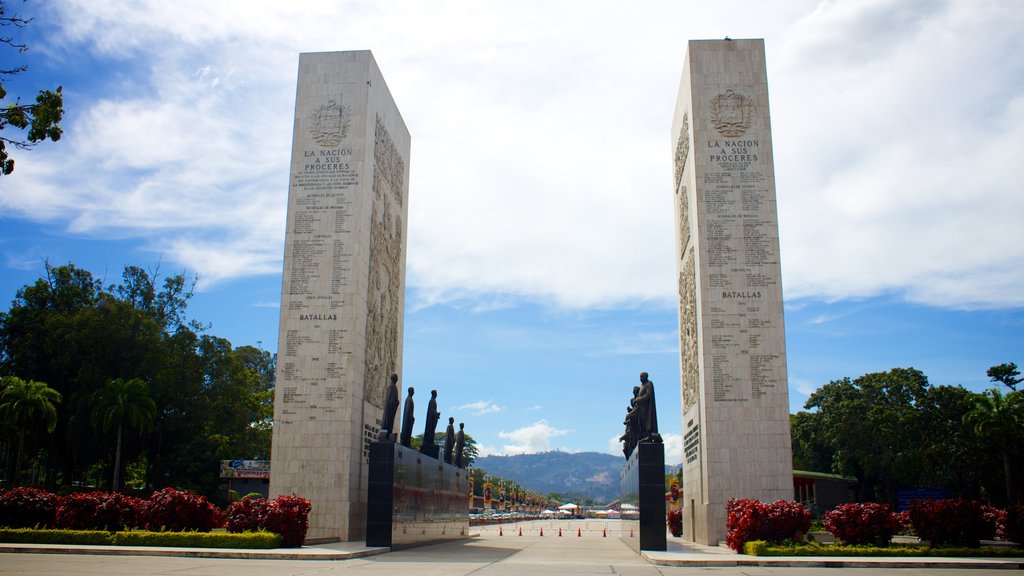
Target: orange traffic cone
[579,532]
[604,533]
[500,532]
[520,530]
[541,531]
[559,532]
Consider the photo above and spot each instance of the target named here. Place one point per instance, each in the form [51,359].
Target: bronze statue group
[641,417]
[454,444]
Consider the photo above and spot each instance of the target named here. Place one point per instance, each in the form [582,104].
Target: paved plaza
[585,548]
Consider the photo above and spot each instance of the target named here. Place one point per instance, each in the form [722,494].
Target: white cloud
[673,448]
[530,439]
[540,163]
[481,407]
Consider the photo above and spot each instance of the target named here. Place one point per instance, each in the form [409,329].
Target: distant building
[820,492]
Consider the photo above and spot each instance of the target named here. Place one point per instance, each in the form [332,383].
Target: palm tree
[123,403]
[996,419]
[23,405]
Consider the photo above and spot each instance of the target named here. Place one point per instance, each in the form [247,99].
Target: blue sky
[541,263]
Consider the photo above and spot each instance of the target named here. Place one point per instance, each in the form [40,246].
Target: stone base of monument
[642,493]
[414,499]
[432,451]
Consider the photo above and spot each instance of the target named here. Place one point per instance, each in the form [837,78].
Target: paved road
[486,555]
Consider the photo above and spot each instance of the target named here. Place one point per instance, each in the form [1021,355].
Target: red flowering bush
[868,523]
[289,517]
[98,511]
[754,520]
[247,514]
[906,526]
[176,511]
[1013,524]
[285,515]
[950,522]
[27,508]
[992,521]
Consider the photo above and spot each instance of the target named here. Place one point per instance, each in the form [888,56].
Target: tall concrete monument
[343,293]
[732,340]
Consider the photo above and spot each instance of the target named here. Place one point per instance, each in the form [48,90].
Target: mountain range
[580,475]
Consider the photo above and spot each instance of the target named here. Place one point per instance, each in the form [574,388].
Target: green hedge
[246,540]
[43,536]
[762,548]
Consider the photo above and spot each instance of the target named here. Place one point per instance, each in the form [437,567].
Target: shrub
[753,520]
[289,517]
[247,514]
[992,521]
[43,536]
[27,508]
[950,522]
[176,511]
[762,548]
[906,526]
[248,540]
[98,511]
[102,537]
[1013,524]
[868,523]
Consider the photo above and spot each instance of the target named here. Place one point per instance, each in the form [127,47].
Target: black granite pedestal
[414,499]
[642,493]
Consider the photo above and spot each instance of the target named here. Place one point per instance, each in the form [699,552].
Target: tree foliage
[35,122]
[25,407]
[1006,374]
[212,401]
[894,430]
[119,404]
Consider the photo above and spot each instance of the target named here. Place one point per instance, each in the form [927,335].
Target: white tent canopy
[569,506]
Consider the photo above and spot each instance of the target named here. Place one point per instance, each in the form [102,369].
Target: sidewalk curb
[308,553]
[663,559]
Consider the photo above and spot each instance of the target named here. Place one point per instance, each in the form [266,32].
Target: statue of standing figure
[632,423]
[647,411]
[387,425]
[460,445]
[432,417]
[449,440]
[407,419]
[429,447]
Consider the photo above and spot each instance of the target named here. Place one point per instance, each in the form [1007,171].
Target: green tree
[948,447]
[1007,374]
[998,421]
[470,452]
[119,404]
[42,119]
[872,427]
[812,451]
[24,405]
[67,328]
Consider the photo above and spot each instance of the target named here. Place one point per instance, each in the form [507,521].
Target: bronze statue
[387,425]
[632,423]
[429,447]
[449,440]
[647,411]
[407,419]
[460,445]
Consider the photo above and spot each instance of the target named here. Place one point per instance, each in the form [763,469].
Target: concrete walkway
[586,547]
